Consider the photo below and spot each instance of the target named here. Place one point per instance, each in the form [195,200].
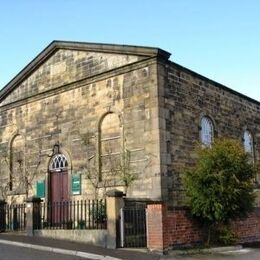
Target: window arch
[58,162]
[206,131]
[248,143]
[109,143]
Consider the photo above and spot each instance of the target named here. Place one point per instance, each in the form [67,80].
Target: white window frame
[248,143]
[206,131]
[58,162]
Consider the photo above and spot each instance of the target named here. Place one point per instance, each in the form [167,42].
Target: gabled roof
[81,46]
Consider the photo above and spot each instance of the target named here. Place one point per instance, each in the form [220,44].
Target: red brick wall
[180,230]
[154,221]
[248,229]
[174,228]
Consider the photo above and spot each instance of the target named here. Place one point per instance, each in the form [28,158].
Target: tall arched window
[109,144]
[206,131]
[248,143]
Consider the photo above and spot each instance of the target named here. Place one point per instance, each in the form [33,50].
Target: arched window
[109,144]
[248,143]
[207,131]
[58,162]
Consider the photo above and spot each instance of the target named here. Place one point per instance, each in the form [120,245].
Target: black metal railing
[13,217]
[83,214]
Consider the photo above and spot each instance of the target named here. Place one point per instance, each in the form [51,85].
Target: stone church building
[83,118]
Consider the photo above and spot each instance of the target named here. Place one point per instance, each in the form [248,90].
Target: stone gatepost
[2,215]
[33,215]
[114,202]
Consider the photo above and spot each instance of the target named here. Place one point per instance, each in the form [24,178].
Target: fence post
[114,202]
[155,218]
[33,216]
[2,215]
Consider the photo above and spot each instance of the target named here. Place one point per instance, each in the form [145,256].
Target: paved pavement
[23,247]
[239,254]
[78,249]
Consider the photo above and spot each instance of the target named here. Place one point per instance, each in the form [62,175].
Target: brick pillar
[2,215]
[33,216]
[154,220]
[114,202]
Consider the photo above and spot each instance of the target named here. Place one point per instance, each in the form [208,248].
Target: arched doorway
[58,179]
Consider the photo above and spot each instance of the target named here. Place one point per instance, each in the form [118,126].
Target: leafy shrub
[224,236]
[220,187]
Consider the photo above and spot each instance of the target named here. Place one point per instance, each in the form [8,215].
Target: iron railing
[13,217]
[83,214]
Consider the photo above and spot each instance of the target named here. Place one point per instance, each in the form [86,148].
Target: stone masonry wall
[65,114]
[184,98]
[67,66]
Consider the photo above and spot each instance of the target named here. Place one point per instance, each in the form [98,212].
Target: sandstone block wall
[60,107]
[184,98]
[67,66]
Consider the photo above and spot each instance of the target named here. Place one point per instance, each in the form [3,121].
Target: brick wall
[170,228]
[173,228]
[155,240]
[180,230]
[248,229]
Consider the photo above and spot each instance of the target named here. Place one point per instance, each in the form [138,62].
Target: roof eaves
[114,48]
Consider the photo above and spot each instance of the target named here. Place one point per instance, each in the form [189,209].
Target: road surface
[8,252]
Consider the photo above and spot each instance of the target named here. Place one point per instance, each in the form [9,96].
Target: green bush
[224,236]
[220,187]
[98,212]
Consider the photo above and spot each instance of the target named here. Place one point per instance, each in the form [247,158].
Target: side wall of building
[185,97]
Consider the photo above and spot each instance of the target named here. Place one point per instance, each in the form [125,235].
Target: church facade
[84,118]
[68,115]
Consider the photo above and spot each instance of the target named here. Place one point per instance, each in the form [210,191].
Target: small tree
[92,168]
[23,177]
[126,172]
[119,171]
[119,168]
[220,187]
[26,177]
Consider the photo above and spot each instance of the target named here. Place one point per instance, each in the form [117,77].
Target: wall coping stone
[115,193]
[34,199]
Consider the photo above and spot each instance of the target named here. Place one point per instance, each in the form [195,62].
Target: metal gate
[133,226]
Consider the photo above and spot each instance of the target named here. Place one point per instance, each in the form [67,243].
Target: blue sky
[219,39]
